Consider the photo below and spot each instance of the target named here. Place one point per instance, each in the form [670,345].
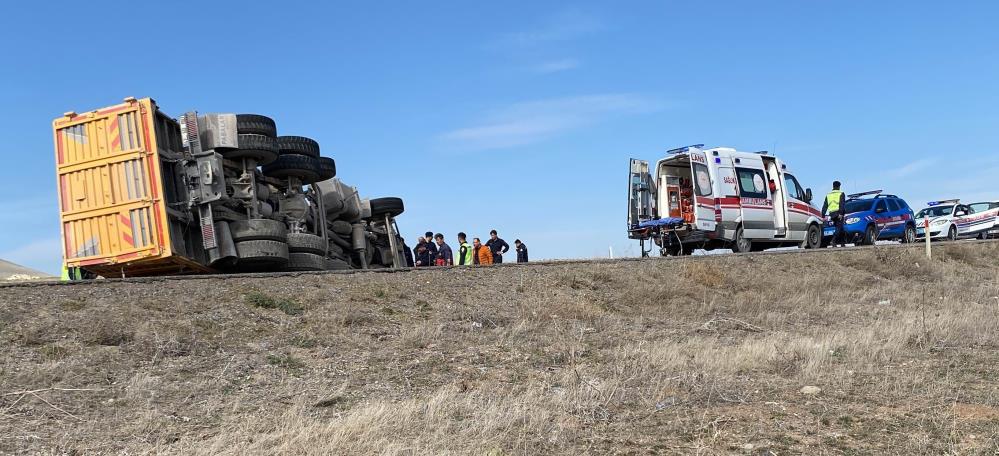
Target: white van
[716,198]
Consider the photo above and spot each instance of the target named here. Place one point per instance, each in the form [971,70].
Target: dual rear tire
[261,244]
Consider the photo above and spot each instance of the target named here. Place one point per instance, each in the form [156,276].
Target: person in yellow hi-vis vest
[834,205]
[464,251]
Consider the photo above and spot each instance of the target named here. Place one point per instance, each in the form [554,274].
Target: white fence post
[926,233]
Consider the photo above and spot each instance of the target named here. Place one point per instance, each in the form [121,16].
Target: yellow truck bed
[112,198]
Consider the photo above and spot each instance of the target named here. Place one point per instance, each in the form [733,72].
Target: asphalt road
[702,257]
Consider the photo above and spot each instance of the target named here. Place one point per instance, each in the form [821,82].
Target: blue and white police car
[986,207]
[951,220]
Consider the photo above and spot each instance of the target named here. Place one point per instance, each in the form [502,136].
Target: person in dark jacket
[497,246]
[444,255]
[431,247]
[422,254]
[521,251]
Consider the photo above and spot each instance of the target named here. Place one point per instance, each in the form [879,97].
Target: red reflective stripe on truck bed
[59,147]
[153,182]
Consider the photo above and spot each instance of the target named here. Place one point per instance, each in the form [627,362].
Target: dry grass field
[874,351]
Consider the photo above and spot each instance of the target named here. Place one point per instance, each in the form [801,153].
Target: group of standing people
[432,250]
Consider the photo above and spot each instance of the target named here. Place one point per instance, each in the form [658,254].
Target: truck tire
[326,169]
[298,145]
[336,250]
[254,124]
[261,254]
[341,227]
[336,265]
[300,261]
[294,165]
[813,237]
[741,244]
[389,205]
[258,230]
[261,148]
[306,243]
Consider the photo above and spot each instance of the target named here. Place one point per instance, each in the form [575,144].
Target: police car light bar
[950,201]
[680,150]
[858,195]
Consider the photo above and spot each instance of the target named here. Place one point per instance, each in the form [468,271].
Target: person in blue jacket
[444,255]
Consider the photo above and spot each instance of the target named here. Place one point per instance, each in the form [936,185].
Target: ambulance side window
[793,189]
[752,184]
[702,180]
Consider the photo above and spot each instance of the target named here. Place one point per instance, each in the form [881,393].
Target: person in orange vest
[483,256]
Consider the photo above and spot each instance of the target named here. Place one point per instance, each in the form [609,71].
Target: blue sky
[520,116]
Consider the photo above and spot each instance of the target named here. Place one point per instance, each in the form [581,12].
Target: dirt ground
[853,352]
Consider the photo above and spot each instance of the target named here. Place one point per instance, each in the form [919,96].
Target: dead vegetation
[702,355]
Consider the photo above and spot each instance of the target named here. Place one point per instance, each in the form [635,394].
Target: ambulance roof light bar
[858,195]
[950,201]
[680,150]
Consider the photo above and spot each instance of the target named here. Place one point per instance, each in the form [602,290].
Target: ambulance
[697,198]
[950,220]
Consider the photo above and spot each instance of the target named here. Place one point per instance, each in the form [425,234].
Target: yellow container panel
[109,186]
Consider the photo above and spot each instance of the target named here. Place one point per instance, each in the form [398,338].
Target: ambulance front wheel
[813,238]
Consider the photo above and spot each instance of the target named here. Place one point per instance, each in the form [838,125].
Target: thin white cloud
[556,66]
[932,178]
[911,168]
[564,26]
[533,121]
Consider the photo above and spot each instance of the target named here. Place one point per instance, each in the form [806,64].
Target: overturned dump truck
[143,194]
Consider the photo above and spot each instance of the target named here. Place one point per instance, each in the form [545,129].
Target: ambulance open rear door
[704,198]
[641,195]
